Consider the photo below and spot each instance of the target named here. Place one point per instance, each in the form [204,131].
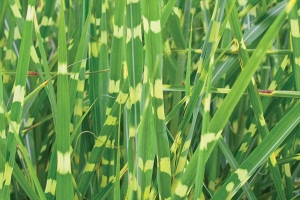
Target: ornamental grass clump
[149,99]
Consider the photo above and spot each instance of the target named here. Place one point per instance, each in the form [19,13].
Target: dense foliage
[157,99]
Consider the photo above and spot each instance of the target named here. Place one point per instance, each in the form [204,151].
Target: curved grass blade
[102,139]
[268,145]
[18,101]
[19,176]
[217,16]
[255,100]
[215,29]
[223,113]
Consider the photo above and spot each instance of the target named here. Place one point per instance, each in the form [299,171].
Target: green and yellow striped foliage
[140,99]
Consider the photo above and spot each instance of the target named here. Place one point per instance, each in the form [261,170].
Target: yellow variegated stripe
[164,164]
[208,138]
[104,6]
[242,2]
[7,174]
[47,21]
[181,190]
[273,160]
[94,48]
[63,162]
[107,179]
[244,147]
[145,24]
[207,103]
[135,93]
[182,160]
[100,140]
[158,89]
[145,166]
[95,20]
[230,186]
[62,69]
[161,112]
[177,11]
[16,11]
[50,186]
[111,120]
[132,1]
[19,93]
[135,33]
[118,31]
[30,13]
[10,56]
[242,175]
[34,55]
[121,99]
[176,142]
[155,26]
[14,127]
[295,28]
[3,134]
[214,31]
[114,86]
[1,180]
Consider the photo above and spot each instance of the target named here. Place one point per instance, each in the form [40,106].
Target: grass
[136,100]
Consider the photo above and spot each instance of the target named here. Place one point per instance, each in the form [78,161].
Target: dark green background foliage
[149,99]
